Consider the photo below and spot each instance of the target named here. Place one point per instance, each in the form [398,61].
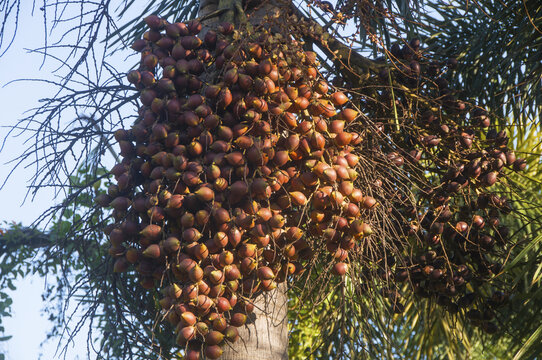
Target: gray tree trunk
[265,336]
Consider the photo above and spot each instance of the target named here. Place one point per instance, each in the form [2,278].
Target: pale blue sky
[27,326]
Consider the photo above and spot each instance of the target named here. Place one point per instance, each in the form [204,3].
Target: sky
[28,325]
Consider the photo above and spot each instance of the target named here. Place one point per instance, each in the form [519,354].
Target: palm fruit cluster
[457,163]
[244,166]
[238,167]
[438,166]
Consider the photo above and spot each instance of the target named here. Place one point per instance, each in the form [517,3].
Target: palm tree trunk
[265,336]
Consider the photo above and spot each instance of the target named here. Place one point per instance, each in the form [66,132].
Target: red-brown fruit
[151,232]
[152,251]
[238,319]
[213,351]
[339,269]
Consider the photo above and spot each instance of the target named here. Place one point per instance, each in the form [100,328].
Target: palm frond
[499,48]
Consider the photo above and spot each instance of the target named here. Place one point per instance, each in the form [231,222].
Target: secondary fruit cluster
[439,167]
[457,162]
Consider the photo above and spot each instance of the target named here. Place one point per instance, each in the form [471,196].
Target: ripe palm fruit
[121,265]
[151,232]
[213,351]
[152,251]
[339,268]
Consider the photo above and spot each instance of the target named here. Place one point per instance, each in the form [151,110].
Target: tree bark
[265,336]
